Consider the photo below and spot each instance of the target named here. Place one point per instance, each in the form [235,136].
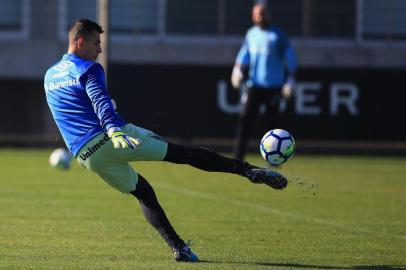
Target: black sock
[205,159]
[154,213]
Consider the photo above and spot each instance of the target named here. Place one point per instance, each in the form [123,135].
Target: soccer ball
[277,146]
[60,159]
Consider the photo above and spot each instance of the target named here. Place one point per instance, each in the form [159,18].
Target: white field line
[269,210]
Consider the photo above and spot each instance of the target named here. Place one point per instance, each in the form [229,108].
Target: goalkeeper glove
[121,140]
[288,87]
[236,77]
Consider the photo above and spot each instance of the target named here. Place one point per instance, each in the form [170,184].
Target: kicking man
[103,142]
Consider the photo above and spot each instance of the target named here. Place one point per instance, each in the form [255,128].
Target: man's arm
[291,60]
[103,107]
[291,63]
[241,62]
[101,100]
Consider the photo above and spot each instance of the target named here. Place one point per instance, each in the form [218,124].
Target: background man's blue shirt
[77,96]
[265,52]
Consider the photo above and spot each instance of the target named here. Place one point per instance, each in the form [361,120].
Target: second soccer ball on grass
[277,146]
[60,158]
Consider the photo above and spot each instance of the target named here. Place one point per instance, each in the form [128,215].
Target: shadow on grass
[310,266]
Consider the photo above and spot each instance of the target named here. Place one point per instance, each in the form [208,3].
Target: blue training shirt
[77,96]
[266,52]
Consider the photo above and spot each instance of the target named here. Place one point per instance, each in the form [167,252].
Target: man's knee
[145,193]
[176,153]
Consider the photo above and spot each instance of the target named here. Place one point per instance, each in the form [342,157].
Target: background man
[263,53]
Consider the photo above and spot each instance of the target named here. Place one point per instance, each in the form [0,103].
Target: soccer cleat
[185,254]
[268,177]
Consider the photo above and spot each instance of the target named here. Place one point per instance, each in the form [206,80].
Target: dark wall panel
[350,104]
[197,101]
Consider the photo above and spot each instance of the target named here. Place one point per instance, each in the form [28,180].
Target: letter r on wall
[348,100]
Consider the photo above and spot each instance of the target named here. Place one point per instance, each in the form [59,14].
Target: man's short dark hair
[83,28]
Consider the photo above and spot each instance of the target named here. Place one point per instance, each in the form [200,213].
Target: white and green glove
[237,76]
[289,87]
[121,140]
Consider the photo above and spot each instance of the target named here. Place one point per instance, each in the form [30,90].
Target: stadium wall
[337,109]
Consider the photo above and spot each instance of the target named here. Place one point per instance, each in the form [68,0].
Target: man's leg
[111,165]
[246,121]
[211,161]
[205,159]
[156,216]
[272,109]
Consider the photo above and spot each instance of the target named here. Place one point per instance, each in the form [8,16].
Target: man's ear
[81,42]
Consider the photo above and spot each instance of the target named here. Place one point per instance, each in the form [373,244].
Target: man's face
[90,47]
[260,15]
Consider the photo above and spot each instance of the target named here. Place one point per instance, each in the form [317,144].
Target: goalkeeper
[263,53]
[101,141]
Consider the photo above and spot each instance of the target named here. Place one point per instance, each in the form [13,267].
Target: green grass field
[337,213]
